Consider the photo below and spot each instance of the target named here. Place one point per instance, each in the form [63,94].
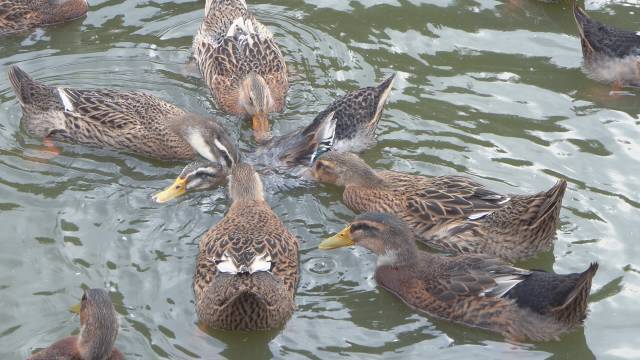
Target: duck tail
[574,308]
[582,20]
[28,91]
[550,208]
[384,89]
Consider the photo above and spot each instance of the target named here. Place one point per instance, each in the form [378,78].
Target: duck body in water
[475,290]
[21,15]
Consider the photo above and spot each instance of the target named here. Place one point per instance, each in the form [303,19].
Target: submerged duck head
[384,234]
[98,325]
[343,168]
[255,98]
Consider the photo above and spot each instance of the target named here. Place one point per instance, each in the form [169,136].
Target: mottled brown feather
[225,61]
[21,15]
[249,229]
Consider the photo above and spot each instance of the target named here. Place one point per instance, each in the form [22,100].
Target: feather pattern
[481,291]
[247,269]
[230,45]
[132,121]
[451,213]
[21,15]
[610,54]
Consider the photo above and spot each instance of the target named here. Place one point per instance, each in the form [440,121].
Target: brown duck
[476,290]
[241,63]
[137,122]
[247,267]
[450,213]
[20,15]
[98,332]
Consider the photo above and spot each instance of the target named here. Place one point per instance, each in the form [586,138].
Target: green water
[485,88]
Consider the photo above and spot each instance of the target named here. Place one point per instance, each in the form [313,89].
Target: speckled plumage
[246,301]
[357,115]
[459,288]
[476,290]
[133,121]
[226,53]
[450,213]
[610,54]
[20,15]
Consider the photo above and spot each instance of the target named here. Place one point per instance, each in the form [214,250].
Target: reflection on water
[490,89]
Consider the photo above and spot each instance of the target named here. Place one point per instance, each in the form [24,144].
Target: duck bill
[260,123]
[341,239]
[177,189]
[75,308]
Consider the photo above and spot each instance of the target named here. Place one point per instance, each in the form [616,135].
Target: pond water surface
[488,89]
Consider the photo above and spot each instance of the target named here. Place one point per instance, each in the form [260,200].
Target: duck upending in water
[98,332]
[241,63]
[450,213]
[610,55]
[20,15]
[349,123]
[476,290]
[247,268]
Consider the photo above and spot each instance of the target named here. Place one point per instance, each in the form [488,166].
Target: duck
[349,123]
[611,55]
[241,63]
[98,332]
[448,213]
[21,15]
[247,268]
[473,289]
[136,122]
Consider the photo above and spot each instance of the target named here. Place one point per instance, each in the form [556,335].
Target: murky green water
[485,88]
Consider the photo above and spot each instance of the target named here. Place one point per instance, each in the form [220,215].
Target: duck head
[210,141]
[255,99]
[245,184]
[98,325]
[384,234]
[342,169]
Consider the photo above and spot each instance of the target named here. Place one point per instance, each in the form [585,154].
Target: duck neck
[363,177]
[96,342]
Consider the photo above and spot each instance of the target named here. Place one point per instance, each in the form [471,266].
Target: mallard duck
[449,213]
[98,332]
[247,268]
[133,121]
[610,54]
[241,63]
[476,290]
[349,123]
[20,15]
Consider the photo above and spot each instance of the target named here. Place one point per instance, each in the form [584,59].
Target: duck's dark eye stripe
[359,226]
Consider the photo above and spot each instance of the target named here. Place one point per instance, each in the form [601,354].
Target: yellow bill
[178,188]
[75,308]
[341,239]
[260,124]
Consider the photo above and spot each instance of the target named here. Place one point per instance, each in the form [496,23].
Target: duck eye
[84,297]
